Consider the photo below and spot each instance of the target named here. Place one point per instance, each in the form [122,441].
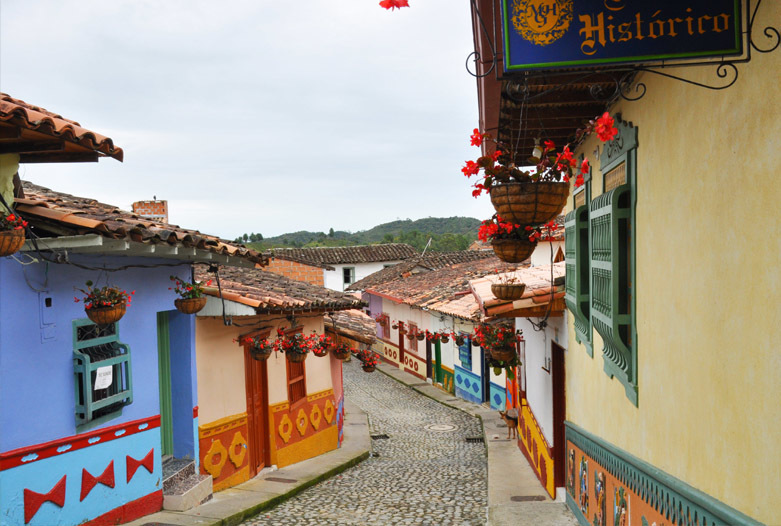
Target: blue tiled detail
[498,397]
[468,385]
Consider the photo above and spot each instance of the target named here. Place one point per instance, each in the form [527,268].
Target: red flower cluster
[605,128]
[495,228]
[543,233]
[12,222]
[368,357]
[394,4]
[107,296]
[318,344]
[188,290]
[496,337]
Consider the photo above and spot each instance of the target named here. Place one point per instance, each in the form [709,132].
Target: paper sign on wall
[103,377]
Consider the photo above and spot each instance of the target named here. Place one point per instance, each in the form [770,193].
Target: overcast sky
[256,116]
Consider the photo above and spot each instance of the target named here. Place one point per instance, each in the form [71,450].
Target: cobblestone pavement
[418,476]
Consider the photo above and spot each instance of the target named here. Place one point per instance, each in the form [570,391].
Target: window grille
[98,351]
[578,268]
[296,381]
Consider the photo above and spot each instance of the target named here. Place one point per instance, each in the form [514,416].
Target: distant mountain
[446,234]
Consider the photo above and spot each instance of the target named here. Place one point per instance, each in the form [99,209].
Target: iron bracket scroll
[519,85]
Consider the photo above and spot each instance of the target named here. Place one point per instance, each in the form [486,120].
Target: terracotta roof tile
[444,290]
[50,212]
[424,263]
[340,255]
[28,117]
[271,293]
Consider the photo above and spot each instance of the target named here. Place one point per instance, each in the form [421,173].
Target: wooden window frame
[413,343]
[290,370]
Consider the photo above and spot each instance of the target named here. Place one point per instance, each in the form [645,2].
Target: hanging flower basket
[513,250]
[368,368]
[260,353]
[508,291]
[460,340]
[369,360]
[529,203]
[295,356]
[502,354]
[444,339]
[190,305]
[106,315]
[420,336]
[410,336]
[11,241]
[341,352]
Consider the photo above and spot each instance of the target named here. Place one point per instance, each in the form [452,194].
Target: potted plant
[420,336]
[459,339]
[341,351]
[104,305]
[11,234]
[191,298]
[259,348]
[532,196]
[444,337]
[369,359]
[498,340]
[508,287]
[295,346]
[321,344]
[510,241]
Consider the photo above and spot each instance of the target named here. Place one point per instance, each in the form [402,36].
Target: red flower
[394,4]
[579,181]
[584,167]
[496,155]
[549,145]
[477,138]
[605,128]
[471,168]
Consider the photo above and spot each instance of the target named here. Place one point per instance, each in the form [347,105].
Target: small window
[465,352]
[296,376]
[102,373]
[413,330]
[384,326]
[348,275]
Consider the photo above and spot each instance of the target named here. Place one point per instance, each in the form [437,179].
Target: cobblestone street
[425,472]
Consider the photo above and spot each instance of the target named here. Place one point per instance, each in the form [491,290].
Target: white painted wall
[334,279]
[539,386]
[542,253]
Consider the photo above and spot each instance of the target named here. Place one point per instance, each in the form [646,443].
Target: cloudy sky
[257,115]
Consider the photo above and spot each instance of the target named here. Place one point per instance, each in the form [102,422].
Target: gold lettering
[725,18]
[659,24]
[593,31]
[699,23]
[639,23]
[624,34]
[689,21]
[610,28]
[672,31]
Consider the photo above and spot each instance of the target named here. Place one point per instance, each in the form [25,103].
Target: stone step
[188,493]
[175,470]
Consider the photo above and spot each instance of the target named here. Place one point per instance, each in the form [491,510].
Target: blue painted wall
[37,382]
[181,330]
[468,385]
[498,397]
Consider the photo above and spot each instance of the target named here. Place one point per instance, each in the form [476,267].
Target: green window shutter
[577,267]
[94,348]
[611,302]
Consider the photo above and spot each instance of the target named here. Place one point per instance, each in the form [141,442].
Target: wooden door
[439,375]
[164,383]
[256,377]
[559,413]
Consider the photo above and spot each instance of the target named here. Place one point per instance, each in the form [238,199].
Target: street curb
[239,517]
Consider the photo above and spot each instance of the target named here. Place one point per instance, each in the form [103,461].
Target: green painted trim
[164,383]
[668,495]
[578,270]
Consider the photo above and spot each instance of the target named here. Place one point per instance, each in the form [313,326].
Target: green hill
[446,234]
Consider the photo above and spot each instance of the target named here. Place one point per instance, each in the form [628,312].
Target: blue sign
[566,33]
[465,352]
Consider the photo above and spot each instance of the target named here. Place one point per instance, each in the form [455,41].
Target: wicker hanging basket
[190,305]
[341,353]
[368,368]
[260,355]
[529,203]
[508,291]
[106,315]
[295,357]
[444,339]
[513,250]
[11,241]
[502,354]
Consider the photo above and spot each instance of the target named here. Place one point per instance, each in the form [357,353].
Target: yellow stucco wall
[708,291]
[220,361]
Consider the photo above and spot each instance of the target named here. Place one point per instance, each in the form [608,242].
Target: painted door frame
[559,413]
[439,376]
[164,384]
[257,417]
